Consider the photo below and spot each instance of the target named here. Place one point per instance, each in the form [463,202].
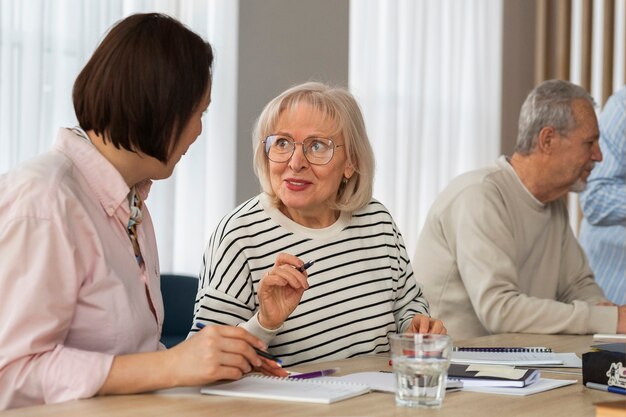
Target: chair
[179,295]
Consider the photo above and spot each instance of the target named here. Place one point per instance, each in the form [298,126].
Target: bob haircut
[549,104]
[340,107]
[142,84]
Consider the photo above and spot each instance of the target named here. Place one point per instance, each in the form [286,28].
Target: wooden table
[570,401]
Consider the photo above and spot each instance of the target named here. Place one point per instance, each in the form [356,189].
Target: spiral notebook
[531,349]
[530,356]
[285,389]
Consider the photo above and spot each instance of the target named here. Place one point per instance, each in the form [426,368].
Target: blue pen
[607,388]
[314,374]
[258,351]
[305,266]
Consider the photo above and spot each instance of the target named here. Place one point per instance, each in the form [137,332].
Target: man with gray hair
[497,254]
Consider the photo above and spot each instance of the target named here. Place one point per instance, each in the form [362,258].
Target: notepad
[609,338]
[543,384]
[284,389]
[549,359]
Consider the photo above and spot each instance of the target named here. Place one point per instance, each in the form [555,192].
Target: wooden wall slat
[586,36]
[541,40]
[608,37]
[563,38]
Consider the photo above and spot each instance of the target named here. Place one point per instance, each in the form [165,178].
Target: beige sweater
[493,259]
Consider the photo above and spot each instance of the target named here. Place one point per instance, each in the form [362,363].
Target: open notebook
[285,389]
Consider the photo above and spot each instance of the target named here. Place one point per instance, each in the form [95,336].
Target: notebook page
[506,358]
[284,389]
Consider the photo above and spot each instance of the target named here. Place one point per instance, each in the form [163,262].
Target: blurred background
[440,83]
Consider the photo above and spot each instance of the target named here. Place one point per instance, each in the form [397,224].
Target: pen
[258,351]
[607,388]
[314,374]
[305,266]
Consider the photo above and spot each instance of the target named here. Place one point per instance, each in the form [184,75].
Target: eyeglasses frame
[294,143]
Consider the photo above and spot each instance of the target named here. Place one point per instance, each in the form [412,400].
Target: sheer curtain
[427,75]
[43,46]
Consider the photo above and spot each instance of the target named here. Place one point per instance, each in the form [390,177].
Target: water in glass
[420,382]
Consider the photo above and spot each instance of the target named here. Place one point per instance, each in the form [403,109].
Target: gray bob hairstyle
[549,104]
[340,107]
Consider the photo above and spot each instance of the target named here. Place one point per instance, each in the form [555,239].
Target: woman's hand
[214,353]
[280,291]
[425,324]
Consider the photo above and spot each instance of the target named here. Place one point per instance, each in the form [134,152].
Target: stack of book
[604,367]
[492,375]
[493,369]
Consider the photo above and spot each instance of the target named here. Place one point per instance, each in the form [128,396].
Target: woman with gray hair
[316,166]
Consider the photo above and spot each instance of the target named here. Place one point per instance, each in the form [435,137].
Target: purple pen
[305,266]
[314,374]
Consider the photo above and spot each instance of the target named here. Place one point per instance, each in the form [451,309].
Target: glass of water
[420,364]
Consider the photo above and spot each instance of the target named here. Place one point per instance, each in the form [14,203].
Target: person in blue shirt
[603,229]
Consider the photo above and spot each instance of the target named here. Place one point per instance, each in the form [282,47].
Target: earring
[344,181]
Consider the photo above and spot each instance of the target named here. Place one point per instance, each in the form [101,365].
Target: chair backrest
[179,295]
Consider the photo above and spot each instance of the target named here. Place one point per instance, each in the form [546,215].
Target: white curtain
[427,75]
[43,46]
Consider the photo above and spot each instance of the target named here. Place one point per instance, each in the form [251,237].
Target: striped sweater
[361,287]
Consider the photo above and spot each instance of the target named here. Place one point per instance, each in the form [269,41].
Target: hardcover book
[493,376]
[605,367]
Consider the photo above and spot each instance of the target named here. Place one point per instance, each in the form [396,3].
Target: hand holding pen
[215,353]
[269,364]
[305,266]
[258,351]
[281,289]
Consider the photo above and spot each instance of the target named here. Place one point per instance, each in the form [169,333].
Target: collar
[104,180]
[504,162]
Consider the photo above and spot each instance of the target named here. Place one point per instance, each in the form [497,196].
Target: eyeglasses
[318,151]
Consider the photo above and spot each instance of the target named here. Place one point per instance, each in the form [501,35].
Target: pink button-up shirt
[71,292]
